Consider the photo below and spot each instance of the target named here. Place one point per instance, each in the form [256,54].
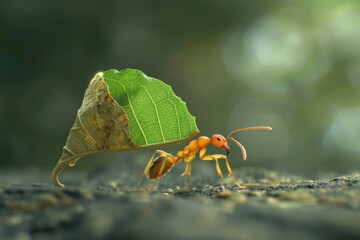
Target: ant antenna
[242,148]
[249,129]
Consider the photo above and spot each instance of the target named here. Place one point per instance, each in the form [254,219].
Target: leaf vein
[157,112]
[177,117]
[132,110]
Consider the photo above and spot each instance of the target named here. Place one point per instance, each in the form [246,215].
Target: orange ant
[164,162]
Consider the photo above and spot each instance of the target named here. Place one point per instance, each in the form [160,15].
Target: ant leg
[187,177]
[187,171]
[214,157]
[190,168]
[188,160]
[219,173]
[147,167]
[185,174]
[156,185]
[235,181]
[219,156]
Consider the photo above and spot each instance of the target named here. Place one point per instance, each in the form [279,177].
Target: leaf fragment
[125,110]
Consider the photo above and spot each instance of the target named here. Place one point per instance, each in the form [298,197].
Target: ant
[160,166]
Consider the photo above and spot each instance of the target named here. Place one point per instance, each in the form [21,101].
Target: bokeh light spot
[342,28]
[344,133]
[276,53]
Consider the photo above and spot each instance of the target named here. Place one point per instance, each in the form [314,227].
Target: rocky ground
[96,204]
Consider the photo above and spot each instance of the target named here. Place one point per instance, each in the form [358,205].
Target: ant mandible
[164,162]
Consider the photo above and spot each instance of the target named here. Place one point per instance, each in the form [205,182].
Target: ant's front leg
[219,156]
[215,157]
[204,157]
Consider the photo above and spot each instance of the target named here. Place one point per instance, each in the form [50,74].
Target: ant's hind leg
[156,185]
[147,168]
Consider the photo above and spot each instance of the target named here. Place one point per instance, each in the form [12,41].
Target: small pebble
[224,194]
[113,185]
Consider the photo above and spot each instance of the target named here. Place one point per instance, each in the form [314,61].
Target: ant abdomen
[161,166]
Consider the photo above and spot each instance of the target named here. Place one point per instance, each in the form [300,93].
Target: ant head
[219,141]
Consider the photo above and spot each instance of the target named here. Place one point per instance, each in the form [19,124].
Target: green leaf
[156,115]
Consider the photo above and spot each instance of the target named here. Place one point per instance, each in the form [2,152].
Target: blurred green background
[292,65]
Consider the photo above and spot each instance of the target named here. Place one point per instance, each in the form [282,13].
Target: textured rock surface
[97,205]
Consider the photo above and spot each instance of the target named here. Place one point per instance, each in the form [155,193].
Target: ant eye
[218,139]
